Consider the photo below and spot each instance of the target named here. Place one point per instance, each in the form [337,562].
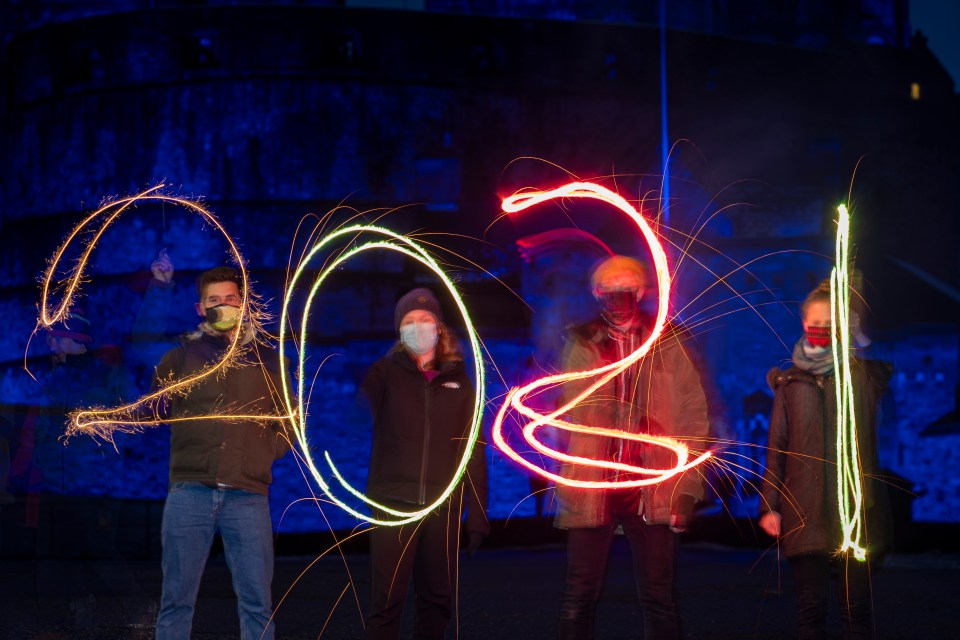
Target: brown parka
[662,396]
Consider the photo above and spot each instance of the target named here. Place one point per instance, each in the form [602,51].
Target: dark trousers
[427,552]
[654,565]
[812,576]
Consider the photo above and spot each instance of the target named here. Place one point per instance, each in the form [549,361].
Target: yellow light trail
[849,482]
[296,406]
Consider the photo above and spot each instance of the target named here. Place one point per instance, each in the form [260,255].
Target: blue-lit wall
[271,115]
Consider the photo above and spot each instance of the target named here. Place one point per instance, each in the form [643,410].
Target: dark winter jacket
[800,481]
[215,450]
[661,395]
[235,452]
[420,429]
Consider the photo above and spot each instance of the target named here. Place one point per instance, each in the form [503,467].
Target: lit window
[914,90]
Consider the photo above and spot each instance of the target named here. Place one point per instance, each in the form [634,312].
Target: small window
[914,90]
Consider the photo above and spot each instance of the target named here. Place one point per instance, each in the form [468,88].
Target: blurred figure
[220,468]
[660,395]
[422,402]
[75,376]
[799,495]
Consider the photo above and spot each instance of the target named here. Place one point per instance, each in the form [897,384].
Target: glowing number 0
[406,246]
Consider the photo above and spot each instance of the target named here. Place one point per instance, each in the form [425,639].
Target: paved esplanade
[504,593]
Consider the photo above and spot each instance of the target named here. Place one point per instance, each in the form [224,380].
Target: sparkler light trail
[517,397]
[131,418]
[849,486]
[296,406]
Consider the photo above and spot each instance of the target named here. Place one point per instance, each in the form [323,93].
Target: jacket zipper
[426,443]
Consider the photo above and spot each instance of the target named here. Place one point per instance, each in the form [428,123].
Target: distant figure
[76,375]
[660,395]
[220,468]
[799,494]
[422,402]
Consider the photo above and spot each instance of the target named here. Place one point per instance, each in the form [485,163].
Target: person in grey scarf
[800,505]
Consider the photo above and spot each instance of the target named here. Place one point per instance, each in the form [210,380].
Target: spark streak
[849,487]
[517,397]
[296,406]
[130,418]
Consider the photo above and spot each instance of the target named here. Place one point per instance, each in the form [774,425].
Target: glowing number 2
[103,422]
[516,398]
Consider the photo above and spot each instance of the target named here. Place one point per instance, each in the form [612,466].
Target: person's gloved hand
[476,539]
[681,513]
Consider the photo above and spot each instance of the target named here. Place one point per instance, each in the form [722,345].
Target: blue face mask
[419,337]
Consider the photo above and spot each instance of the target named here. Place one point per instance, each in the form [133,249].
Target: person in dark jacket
[422,402]
[220,467]
[660,395]
[800,503]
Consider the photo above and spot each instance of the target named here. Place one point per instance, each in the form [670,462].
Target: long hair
[448,347]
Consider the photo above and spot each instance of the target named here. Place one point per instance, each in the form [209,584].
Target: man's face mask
[223,317]
[618,306]
[819,336]
[419,337]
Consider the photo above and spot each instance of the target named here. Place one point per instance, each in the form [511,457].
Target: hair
[218,274]
[820,294]
[448,347]
[618,263]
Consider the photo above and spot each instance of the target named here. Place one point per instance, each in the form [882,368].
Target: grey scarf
[815,360]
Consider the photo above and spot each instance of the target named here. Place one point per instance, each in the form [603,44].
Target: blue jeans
[192,514]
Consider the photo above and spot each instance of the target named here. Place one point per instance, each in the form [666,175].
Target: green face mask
[223,317]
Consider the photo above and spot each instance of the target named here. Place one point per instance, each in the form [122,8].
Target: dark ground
[725,593]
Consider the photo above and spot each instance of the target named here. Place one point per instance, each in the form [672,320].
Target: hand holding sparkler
[162,267]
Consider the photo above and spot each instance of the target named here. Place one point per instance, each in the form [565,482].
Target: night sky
[939,20]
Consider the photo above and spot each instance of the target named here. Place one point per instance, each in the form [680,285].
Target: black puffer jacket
[800,481]
[419,432]
[238,452]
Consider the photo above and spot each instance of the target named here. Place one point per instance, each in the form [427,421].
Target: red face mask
[618,306]
[819,336]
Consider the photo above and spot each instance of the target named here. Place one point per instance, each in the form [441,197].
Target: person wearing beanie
[661,395]
[422,403]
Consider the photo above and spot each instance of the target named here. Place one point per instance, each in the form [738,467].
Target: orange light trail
[130,418]
[517,397]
